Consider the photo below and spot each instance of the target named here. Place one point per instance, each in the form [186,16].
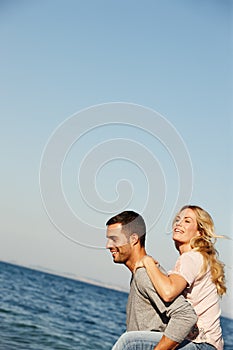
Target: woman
[198,274]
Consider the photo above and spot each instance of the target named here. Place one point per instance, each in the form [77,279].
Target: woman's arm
[168,287]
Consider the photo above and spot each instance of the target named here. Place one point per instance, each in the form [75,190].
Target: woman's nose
[178,222]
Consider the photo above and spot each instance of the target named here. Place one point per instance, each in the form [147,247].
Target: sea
[43,311]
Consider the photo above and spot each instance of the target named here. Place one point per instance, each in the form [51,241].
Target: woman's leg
[137,340]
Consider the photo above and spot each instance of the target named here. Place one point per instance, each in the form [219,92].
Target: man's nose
[108,244]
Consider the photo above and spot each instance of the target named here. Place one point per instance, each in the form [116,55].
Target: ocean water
[41,311]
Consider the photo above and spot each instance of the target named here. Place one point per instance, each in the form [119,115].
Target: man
[146,311]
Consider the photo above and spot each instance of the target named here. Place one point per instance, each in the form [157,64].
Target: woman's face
[185,226]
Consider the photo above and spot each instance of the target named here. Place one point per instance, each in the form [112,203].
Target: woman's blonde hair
[205,245]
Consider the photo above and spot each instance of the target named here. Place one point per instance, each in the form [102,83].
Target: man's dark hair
[131,222]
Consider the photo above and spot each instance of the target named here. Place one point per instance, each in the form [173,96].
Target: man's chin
[116,259]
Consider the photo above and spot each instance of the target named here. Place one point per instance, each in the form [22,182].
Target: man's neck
[137,256]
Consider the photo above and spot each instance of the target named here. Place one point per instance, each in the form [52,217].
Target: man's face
[118,244]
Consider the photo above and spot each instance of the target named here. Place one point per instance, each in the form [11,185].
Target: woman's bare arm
[168,287]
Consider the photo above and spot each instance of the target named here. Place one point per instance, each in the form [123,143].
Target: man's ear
[134,238]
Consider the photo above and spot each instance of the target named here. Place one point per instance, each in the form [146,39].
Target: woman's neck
[183,247]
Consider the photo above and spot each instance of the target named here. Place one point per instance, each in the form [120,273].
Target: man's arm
[166,344]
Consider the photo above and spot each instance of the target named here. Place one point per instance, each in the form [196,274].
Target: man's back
[147,311]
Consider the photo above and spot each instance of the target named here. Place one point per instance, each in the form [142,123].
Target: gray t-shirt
[146,311]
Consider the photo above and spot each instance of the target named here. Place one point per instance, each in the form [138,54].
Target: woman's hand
[143,261]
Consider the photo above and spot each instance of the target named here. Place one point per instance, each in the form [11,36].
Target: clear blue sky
[62,57]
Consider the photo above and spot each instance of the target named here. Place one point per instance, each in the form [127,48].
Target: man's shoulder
[142,280]
[141,274]
[142,284]
[140,277]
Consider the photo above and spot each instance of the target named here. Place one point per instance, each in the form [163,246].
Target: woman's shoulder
[192,255]
[189,265]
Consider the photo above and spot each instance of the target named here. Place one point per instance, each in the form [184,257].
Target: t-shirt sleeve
[188,266]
